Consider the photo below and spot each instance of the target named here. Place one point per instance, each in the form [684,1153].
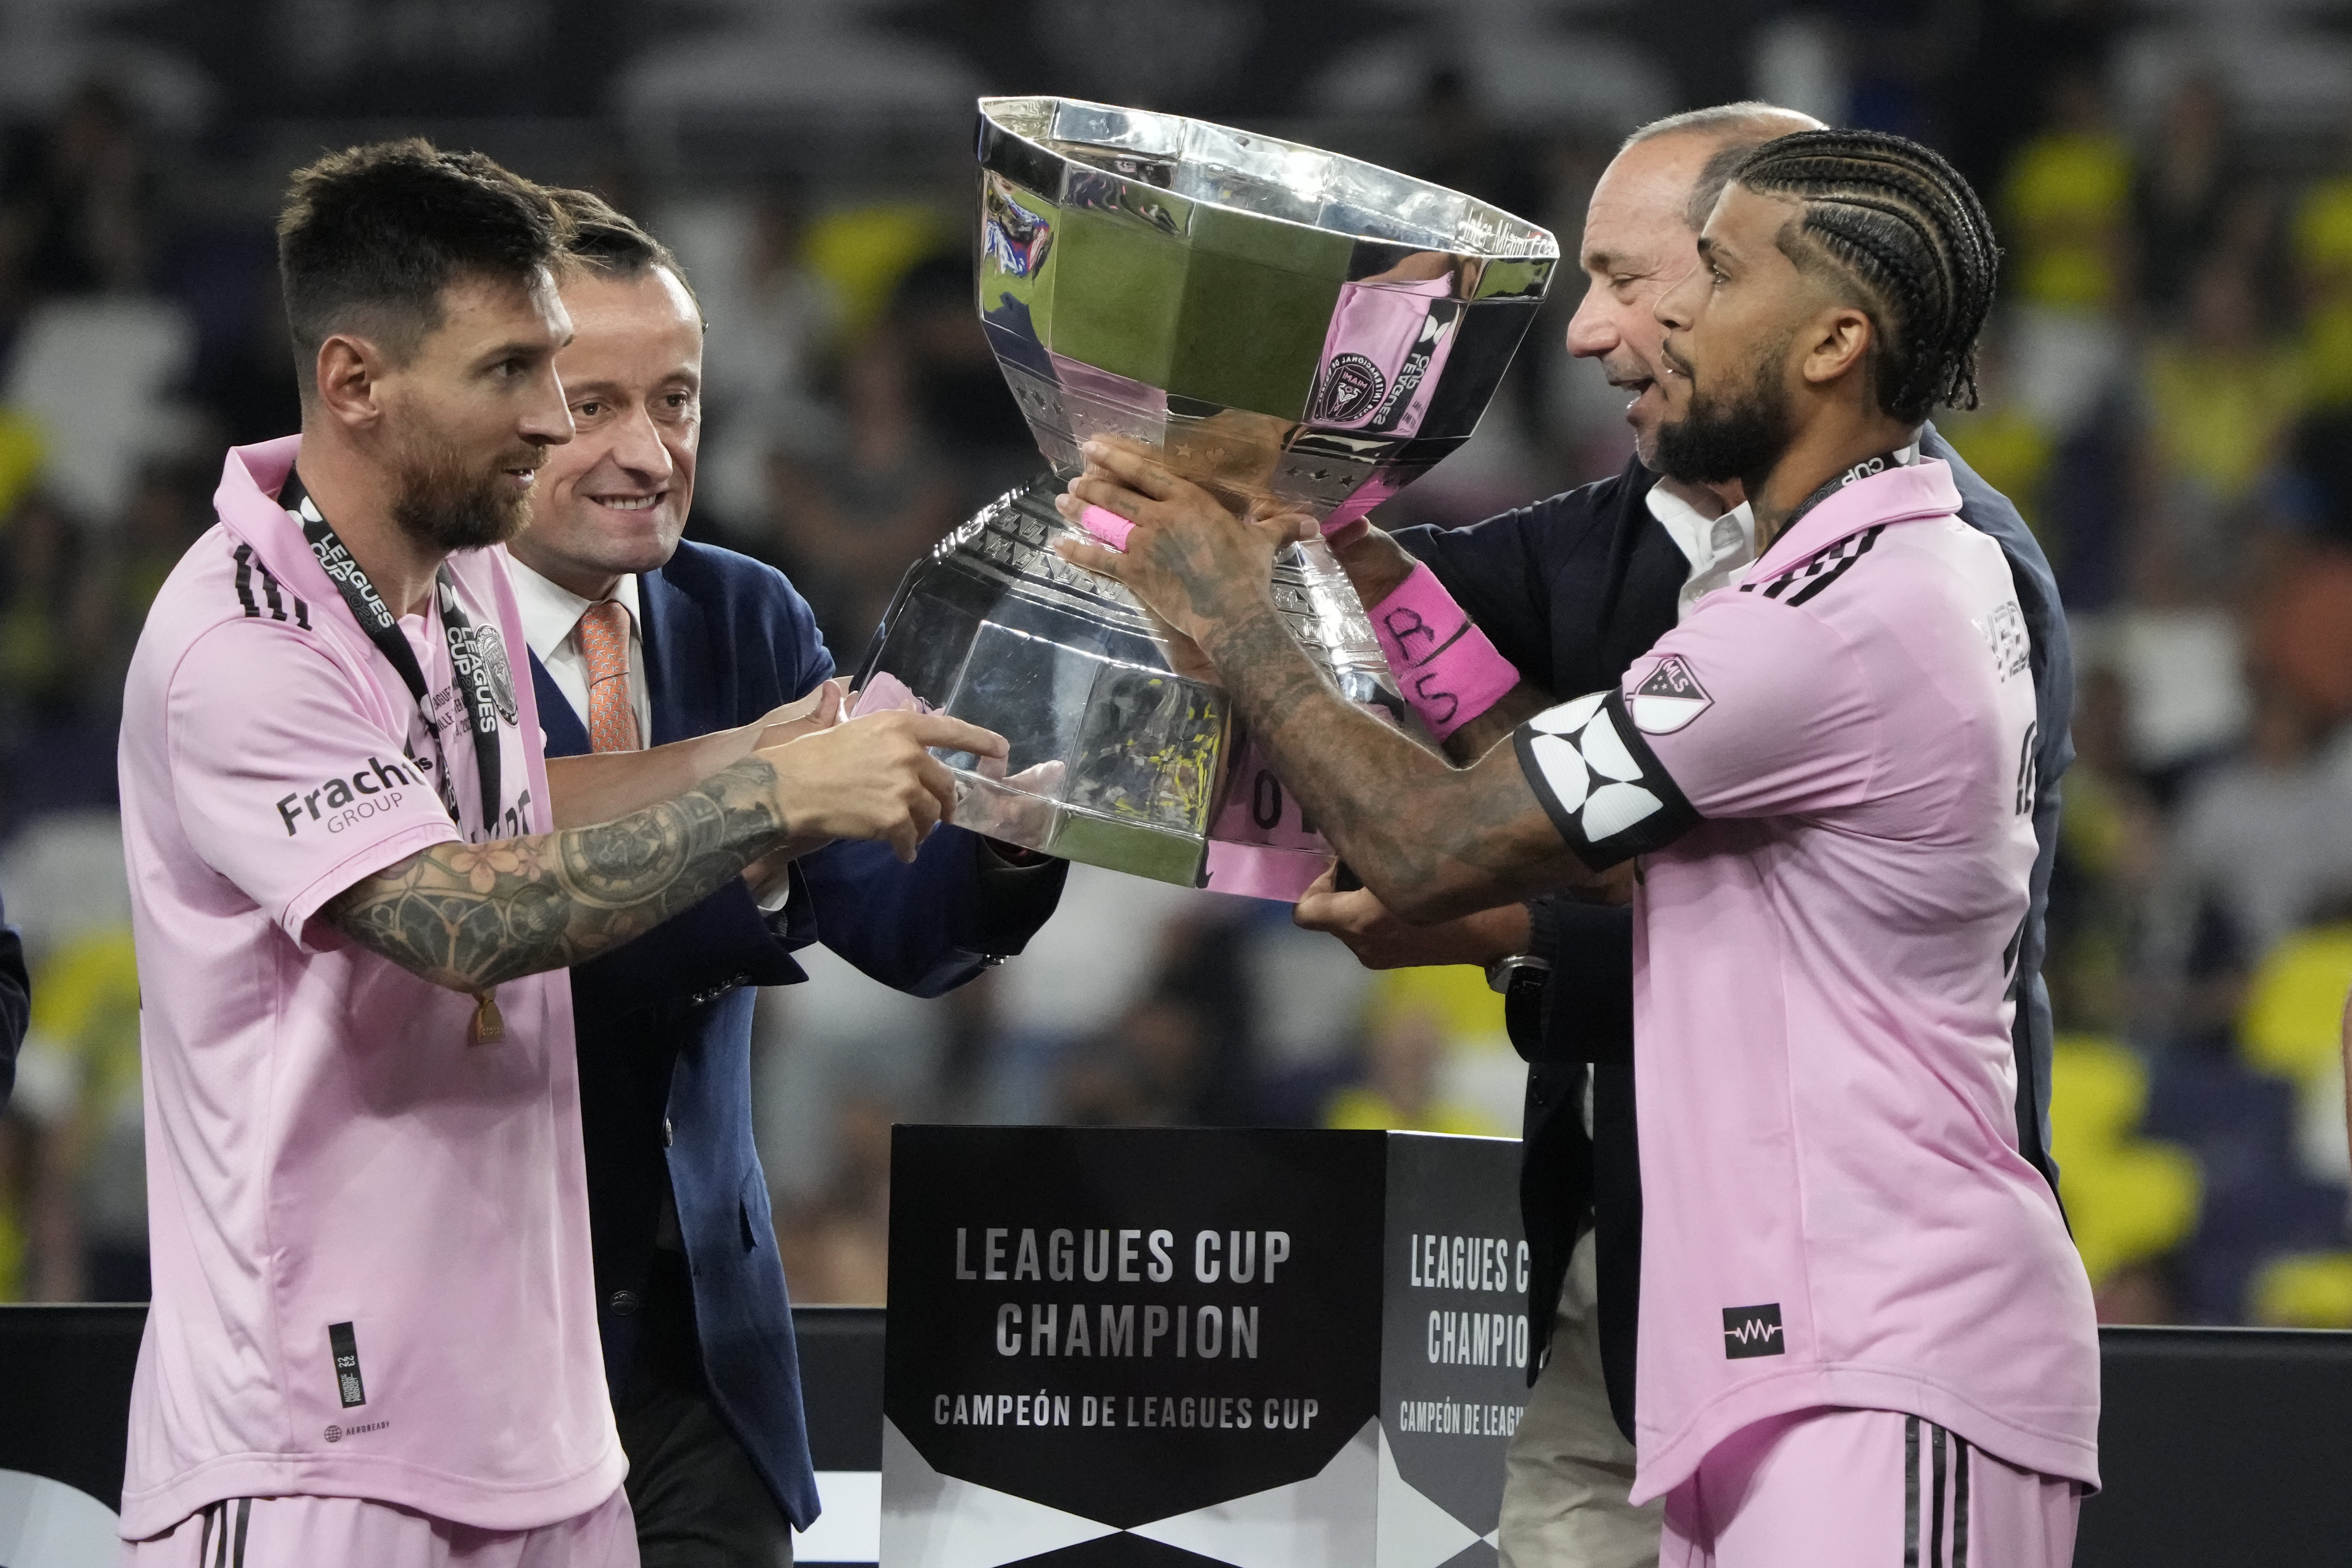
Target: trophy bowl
[1285,326]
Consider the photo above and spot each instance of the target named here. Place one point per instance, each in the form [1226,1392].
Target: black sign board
[2216,1444]
[1167,1345]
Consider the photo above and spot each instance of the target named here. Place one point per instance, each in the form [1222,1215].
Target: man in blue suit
[640,638]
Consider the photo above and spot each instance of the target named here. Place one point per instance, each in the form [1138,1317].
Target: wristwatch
[1520,980]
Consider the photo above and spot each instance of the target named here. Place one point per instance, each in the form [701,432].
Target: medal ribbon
[1901,457]
[382,626]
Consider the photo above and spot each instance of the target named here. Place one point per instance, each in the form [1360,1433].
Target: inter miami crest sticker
[1670,698]
[1352,387]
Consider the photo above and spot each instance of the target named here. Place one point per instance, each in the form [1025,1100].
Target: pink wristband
[1107,526]
[1448,669]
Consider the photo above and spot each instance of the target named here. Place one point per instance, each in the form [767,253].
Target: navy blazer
[665,1022]
[1572,590]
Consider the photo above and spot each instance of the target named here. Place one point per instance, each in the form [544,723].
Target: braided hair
[1903,226]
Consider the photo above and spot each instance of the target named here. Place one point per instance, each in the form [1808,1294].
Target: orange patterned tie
[605,639]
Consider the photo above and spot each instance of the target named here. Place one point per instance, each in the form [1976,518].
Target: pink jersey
[369,1237]
[1828,775]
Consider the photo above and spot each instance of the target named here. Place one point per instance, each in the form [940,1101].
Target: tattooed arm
[1492,728]
[1431,840]
[602,786]
[469,916]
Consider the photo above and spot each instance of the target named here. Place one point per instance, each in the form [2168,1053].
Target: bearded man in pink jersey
[356,885]
[1866,1337]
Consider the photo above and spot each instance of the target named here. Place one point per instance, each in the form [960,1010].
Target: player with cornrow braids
[1864,1335]
[1903,226]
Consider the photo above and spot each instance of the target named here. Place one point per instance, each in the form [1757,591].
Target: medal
[489,1025]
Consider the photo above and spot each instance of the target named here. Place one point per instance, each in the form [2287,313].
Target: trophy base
[1262,870]
[997,810]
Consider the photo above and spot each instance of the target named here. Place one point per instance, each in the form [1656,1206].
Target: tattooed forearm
[1433,841]
[1492,728]
[469,916]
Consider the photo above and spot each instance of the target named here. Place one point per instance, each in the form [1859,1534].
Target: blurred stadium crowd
[2168,398]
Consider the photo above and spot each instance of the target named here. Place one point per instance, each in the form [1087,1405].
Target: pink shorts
[1864,1489]
[310,1531]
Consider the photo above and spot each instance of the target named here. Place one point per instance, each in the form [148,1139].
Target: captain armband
[1446,665]
[1600,782]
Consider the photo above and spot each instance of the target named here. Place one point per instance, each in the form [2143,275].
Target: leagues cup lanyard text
[472,672]
[1902,457]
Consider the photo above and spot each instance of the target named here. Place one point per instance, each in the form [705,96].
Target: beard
[1740,435]
[440,503]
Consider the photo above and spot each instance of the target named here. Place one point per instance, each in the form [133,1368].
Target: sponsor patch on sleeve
[1600,782]
[1669,698]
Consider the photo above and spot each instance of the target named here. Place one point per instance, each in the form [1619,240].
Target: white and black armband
[1604,788]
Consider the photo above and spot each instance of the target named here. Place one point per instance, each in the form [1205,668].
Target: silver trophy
[1281,325]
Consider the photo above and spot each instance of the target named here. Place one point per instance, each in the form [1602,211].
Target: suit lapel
[566,735]
[688,695]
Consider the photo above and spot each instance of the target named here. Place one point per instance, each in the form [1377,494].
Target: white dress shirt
[551,619]
[1719,548]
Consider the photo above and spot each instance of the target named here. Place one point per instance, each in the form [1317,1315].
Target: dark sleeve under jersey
[1507,572]
[15,1003]
[1988,512]
[1494,570]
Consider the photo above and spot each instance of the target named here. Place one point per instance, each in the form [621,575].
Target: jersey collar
[1900,494]
[247,504]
